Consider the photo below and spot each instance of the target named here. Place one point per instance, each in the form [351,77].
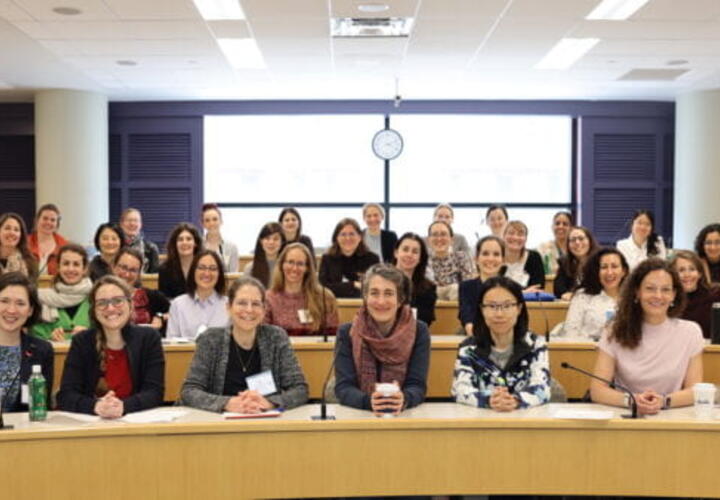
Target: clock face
[387,144]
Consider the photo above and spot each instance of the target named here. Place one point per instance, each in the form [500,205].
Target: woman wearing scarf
[65,305]
[383,344]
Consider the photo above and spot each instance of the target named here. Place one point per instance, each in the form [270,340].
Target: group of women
[115,364]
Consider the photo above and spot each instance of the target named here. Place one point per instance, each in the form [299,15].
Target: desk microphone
[24,355]
[612,385]
[323,402]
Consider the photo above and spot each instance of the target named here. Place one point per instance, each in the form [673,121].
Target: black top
[338,272]
[82,372]
[714,268]
[469,296]
[535,269]
[699,308]
[424,302]
[98,268]
[170,283]
[305,240]
[235,377]
[35,351]
[563,281]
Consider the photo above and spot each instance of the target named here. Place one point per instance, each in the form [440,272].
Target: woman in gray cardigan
[229,362]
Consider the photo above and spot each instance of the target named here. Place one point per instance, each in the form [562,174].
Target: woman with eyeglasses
[551,251]
[65,305]
[444,212]
[131,224]
[204,304]
[502,366]
[647,348]
[383,344]
[343,265]
[229,361]
[707,246]
[115,367]
[183,245]
[19,309]
[14,252]
[150,307]
[581,244]
[108,240]
[297,302]
[45,242]
[594,303]
[643,241]
[449,267]
[701,295]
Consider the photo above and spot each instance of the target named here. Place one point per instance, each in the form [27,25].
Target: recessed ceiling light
[616,10]
[67,11]
[242,53]
[216,10]
[566,52]
[376,27]
[677,62]
[373,7]
[126,62]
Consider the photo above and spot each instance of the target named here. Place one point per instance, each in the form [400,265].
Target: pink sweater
[282,310]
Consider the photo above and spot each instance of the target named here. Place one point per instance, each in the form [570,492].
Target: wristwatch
[666,402]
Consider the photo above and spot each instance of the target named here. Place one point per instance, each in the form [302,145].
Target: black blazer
[337,272]
[81,373]
[35,351]
[169,283]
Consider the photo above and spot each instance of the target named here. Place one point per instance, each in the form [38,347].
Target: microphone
[612,385]
[24,355]
[323,402]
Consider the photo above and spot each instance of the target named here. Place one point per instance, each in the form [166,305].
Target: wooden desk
[315,358]
[148,280]
[430,450]
[543,315]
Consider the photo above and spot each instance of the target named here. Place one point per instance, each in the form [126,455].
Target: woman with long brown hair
[269,243]
[14,252]
[297,302]
[183,245]
[700,293]
[581,244]
[116,367]
[648,349]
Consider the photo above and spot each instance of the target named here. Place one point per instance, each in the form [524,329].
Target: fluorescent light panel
[242,53]
[214,10]
[616,10]
[566,52]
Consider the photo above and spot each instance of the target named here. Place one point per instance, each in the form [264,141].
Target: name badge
[24,394]
[414,312]
[304,316]
[201,329]
[262,383]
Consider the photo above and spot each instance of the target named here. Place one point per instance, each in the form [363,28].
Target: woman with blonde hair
[296,301]
[379,241]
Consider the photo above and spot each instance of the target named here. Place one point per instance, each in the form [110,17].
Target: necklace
[244,364]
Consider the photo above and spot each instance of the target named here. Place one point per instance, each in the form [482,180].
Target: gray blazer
[205,380]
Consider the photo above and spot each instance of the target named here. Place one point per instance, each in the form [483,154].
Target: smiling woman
[490,255]
[384,344]
[115,367]
[65,305]
[44,242]
[14,252]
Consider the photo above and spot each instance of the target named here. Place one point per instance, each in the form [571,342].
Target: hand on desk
[248,402]
[649,402]
[109,406]
[502,400]
[381,404]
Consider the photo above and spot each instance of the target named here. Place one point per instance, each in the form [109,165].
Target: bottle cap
[36,369]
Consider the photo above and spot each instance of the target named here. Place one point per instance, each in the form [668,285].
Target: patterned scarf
[60,296]
[371,347]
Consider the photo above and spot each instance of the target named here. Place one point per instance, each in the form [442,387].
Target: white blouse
[587,317]
[634,254]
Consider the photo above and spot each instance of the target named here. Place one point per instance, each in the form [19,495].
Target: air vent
[376,27]
[645,75]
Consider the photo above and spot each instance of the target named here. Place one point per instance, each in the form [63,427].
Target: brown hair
[334,250]
[74,248]
[627,328]
[260,268]
[703,281]
[22,246]
[219,284]
[173,259]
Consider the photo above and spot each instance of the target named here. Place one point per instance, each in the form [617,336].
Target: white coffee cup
[704,395]
[387,389]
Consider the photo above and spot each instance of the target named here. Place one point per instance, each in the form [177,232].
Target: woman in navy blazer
[19,309]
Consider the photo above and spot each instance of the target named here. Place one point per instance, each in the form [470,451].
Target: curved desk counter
[434,449]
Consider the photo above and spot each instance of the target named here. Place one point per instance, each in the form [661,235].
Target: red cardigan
[52,262]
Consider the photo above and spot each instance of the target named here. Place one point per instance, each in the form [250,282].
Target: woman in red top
[116,367]
[44,242]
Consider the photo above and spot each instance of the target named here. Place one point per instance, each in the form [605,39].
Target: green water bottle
[38,395]
[546,264]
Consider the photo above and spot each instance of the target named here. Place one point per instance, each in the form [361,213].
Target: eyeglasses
[129,270]
[499,307]
[295,263]
[252,304]
[712,243]
[114,301]
[209,269]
